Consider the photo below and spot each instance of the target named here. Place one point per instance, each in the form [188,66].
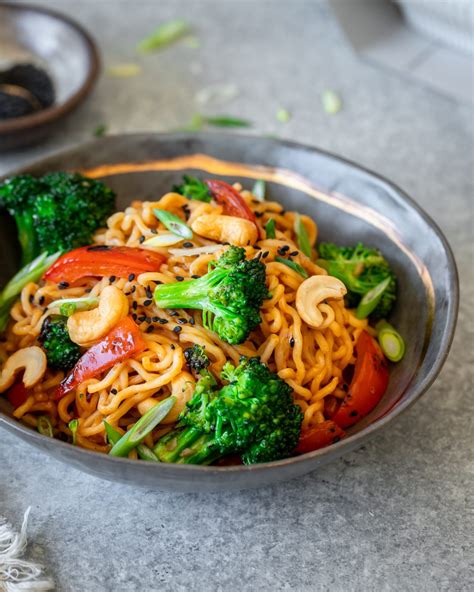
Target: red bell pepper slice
[230,199]
[17,394]
[321,435]
[368,385]
[103,260]
[123,341]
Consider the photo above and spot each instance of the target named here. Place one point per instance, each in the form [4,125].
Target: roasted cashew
[182,387]
[226,229]
[90,325]
[312,292]
[30,359]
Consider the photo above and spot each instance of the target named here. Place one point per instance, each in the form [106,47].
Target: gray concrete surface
[394,516]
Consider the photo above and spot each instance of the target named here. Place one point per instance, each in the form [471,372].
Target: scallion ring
[370,300]
[390,340]
[173,223]
[44,426]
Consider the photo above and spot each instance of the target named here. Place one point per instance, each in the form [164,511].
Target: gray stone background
[395,515]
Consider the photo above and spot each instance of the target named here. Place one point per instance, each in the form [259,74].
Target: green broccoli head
[196,358]
[230,295]
[61,352]
[360,268]
[57,212]
[253,415]
[193,188]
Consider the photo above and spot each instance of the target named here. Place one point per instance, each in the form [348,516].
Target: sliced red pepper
[17,394]
[230,199]
[368,385]
[321,435]
[103,260]
[123,341]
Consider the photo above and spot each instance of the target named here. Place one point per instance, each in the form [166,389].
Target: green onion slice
[302,236]
[44,426]
[391,342]
[146,453]
[142,428]
[73,425]
[259,189]
[164,35]
[68,306]
[293,265]
[331,102]
[226,121]
[369,301]
[270,228]
[113,435]
[173,223]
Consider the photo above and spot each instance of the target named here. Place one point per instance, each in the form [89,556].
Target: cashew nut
[313,292]
[226,229]
[30,359]
[182,387]
[90,325]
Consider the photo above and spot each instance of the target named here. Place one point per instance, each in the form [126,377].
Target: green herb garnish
[293,265]
[173,223]
[283,115]
[270,228]
[73,425]
[193,188]
[331,101]
[164,35]
[100,130]
[302,236]
[259,190]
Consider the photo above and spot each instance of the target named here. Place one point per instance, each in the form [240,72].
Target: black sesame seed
[294,253]
[192,321]
[148,320]
[148,292]
[353,413]
[63,285]
[155,319]
[177,329]
[172,346]
[188,245]
[257,247]
[174,313]
[133,289]
[258,214]
[114,391]
[292,342]
[163,321]
[134,316]
[147,302]
[88,290]
[141,239]
[112,279]
[31,297]
[141,318]
[41,300]
[157,282]
[131,277]
[154,231]
[182,321]
[134,305]
[265,255]
[150,329]
[195,276]
[179,278]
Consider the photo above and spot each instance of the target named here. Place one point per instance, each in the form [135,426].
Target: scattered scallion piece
[226,121]
[173,223]
[391,342]
[293,265]
[113,436]
[68,306]
[369,301]
[124,70]
[259,190]
[164,35]
[270,228]
[331,101]
[283,115]
[142,428]
[44,426]
[302,236]
[100,130]
[73,425]
[165,239]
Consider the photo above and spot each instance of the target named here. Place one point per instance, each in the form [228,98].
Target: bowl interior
[348,204]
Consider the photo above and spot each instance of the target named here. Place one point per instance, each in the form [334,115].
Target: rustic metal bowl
[61,47]
[349,203]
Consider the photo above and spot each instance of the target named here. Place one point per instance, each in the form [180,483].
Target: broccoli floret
[56,212]
[61,352]
[196,358]
[193,188]
[253,415]
[230,295]
[360,268]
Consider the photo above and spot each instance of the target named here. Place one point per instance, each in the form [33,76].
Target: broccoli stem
[187,446]
[189,294]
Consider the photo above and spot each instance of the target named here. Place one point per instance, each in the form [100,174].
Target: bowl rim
[346,444]
[56,111]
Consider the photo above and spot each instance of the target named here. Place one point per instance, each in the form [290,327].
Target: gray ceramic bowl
[61,47]
[349,203]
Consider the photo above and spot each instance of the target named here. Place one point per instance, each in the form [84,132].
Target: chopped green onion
[29,273]
[270,228]
[226,121]
[283,115]
[68,306]
[165,239]
[173,223]
[259,190]
[164,35]
[331,102]
[100,130]
[124,70]
[369,301]
[73,425]
[113,436]
[302,236]
[193,188]
[293,265]
[146,424]
[44,426]
[391,342]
